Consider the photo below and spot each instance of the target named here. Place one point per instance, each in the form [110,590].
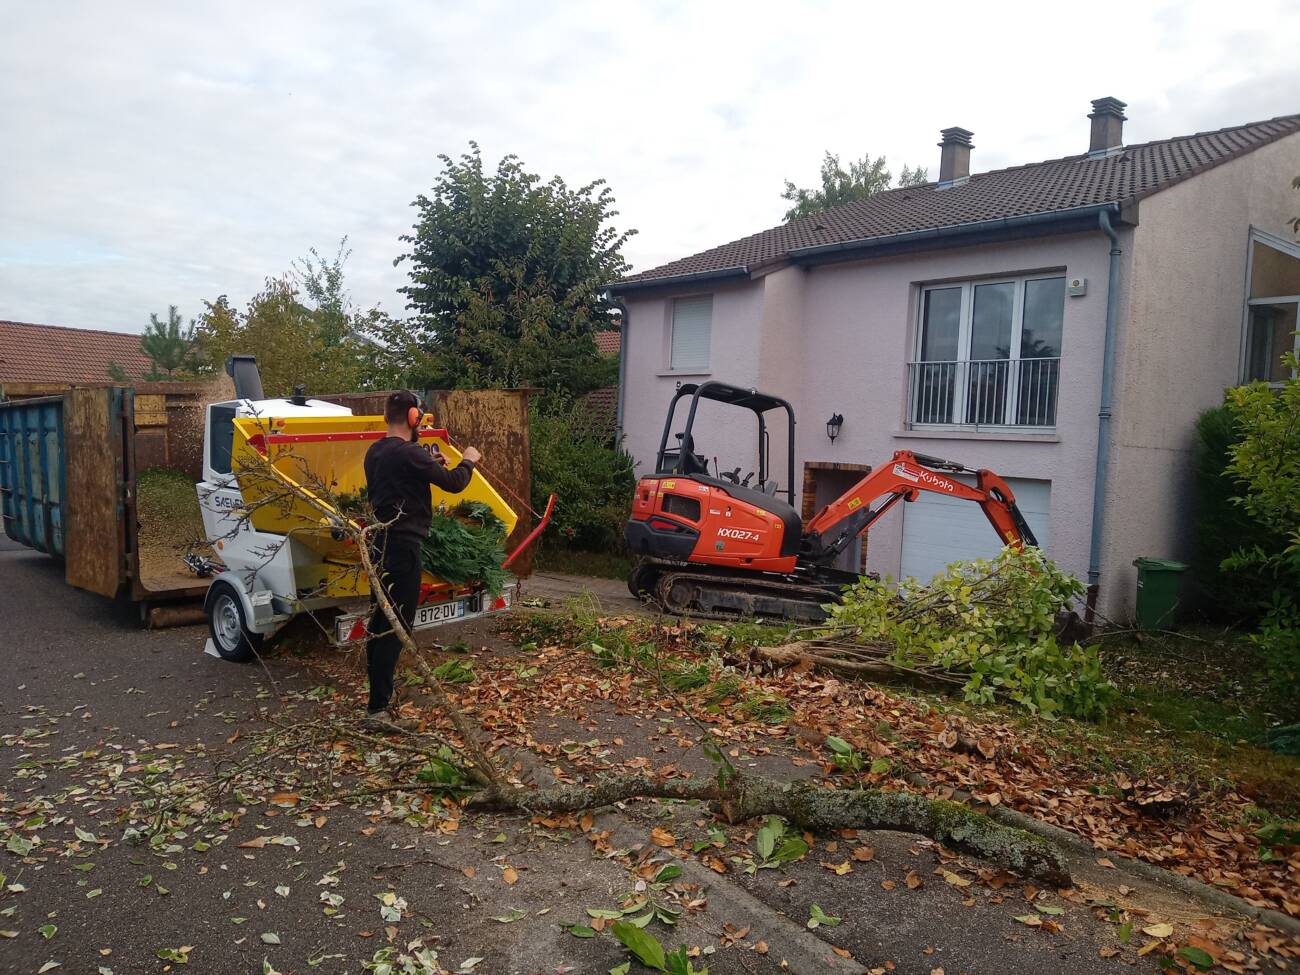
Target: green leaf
[84,836]
[1197,956]
[1125,933]
[838,745]
[643,920]
[180,956]
[20,845]
[669,871]
[645,947]
[581,931]
[819,918]
[794,848]
[622,969]
[514,915]
[768,834]
[47,930]
[1049,909]
[269,938]
[605,913]
[880,766]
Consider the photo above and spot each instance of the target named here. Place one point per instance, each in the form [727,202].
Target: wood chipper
[273,469]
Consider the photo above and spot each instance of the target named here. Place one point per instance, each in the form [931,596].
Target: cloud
[162,154]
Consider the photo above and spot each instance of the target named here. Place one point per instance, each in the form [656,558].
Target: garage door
[939,530]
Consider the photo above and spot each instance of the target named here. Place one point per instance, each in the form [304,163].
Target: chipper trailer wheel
[226,623]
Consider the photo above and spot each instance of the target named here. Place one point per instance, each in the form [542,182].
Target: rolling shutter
[692,332]
[939,530]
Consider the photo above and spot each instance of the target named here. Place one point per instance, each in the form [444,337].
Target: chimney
[954,156]
[1107,126]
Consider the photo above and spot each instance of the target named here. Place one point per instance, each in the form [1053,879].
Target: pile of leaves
[989,625]
[466,544]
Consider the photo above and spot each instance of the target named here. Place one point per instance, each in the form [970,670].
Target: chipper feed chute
[288,466]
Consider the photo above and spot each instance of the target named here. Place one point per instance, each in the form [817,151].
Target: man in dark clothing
[398,474]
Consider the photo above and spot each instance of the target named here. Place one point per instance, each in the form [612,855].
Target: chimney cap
[1108,106]
[957,136]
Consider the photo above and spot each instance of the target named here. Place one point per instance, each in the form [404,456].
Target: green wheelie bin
[1157,592]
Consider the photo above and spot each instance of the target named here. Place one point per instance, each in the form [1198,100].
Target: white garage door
[939,530]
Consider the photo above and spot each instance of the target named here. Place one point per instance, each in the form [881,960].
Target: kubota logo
[923,476]
[739,533]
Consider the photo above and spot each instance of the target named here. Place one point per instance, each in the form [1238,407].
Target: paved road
[84,685]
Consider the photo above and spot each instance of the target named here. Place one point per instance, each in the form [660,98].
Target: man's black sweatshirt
[398,475]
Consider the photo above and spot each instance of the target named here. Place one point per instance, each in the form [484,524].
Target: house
[1061,323]
[36,359]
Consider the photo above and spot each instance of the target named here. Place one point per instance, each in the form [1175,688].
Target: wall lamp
[833,425]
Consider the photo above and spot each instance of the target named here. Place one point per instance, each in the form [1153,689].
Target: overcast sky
[164,153]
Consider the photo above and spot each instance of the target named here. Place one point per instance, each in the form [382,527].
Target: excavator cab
[682,458]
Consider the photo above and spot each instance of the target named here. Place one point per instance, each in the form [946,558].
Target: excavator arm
[903,478]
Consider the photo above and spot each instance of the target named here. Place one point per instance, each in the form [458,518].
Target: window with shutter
[692,331]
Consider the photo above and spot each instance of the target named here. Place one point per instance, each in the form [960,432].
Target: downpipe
[1103,417]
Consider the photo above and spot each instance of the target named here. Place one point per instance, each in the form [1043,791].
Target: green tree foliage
[591,477]
[169,346]
[116,373]
[303,329]
[507,280]
[993,621]
[1264,464]
[865,177]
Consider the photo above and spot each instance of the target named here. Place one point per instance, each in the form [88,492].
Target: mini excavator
[715,546]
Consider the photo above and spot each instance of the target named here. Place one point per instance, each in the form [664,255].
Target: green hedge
[591,475]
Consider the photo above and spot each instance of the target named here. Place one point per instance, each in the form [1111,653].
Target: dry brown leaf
[510,875]
[1105,862]
[887,885]
[716,865]
[1108,952]
[1161,930]
[913,881]
[841,952]
[863,853]
[661,837]
[468,872]
[955,880]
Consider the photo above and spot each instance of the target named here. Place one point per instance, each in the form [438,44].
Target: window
[1272,307]
[988,353]
[692,332]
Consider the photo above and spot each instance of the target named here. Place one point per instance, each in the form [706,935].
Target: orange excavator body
[713,546]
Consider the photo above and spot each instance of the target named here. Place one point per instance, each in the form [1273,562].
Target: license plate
[437,613]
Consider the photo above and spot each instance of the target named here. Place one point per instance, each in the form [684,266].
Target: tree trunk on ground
[815,809]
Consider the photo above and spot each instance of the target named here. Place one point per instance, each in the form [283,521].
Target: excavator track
[683,590]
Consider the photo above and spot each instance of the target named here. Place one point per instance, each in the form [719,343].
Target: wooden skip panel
[495,421]
[93,454]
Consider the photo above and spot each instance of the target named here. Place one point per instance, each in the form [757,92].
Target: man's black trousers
[397,556]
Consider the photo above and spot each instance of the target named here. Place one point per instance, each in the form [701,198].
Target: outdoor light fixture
[833,425]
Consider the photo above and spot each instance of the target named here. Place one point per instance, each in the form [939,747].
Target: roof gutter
[622,287]
[1103,413]
[1074,215]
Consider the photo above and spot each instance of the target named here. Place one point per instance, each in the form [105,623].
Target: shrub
[1265,465]
[588,472]
[990,620]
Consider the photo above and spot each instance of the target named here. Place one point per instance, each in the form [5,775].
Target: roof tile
[1044,187]
[53,354]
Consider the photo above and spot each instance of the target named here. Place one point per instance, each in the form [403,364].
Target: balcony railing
[983,392]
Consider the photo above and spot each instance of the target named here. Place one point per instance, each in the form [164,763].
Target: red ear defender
[413,417]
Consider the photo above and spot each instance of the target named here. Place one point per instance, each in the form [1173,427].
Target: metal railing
[984,392]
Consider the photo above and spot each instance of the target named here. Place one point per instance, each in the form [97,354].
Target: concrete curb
[790,944]
[1077,845]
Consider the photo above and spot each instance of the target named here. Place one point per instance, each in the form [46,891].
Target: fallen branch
[813,808]
[851,663]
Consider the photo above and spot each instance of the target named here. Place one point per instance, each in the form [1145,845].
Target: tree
[864,178]
[507,280]
[168,345]
[117,373]
[321,342]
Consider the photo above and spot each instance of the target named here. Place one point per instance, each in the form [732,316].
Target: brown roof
[53,354]
[1037,188]
[607,342]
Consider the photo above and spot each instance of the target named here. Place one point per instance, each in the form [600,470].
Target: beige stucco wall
[1180,346]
